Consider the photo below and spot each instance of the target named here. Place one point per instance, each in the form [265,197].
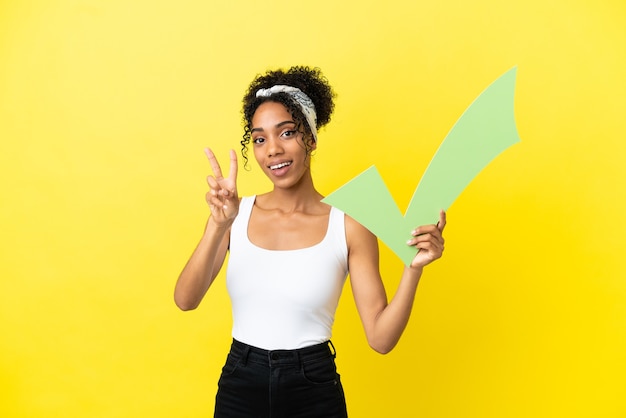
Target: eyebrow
[277,126]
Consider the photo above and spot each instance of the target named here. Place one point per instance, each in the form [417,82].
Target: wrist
[218,227]
[415,270]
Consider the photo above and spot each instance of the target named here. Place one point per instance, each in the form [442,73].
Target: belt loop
[298,359]
[334,352]
[244,354]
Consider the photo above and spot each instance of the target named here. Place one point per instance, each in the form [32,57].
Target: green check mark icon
[484,130]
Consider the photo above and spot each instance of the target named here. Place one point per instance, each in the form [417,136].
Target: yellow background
[106,105]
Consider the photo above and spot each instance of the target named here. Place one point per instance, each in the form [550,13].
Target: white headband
[306,105]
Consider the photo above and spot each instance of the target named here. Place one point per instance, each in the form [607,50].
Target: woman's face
[278,145]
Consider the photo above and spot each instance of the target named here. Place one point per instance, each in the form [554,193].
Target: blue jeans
[300,383]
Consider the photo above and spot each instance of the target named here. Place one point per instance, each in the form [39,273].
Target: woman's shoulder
[355,231]
[362,244]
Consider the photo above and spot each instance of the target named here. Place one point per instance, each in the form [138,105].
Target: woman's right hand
[222,196]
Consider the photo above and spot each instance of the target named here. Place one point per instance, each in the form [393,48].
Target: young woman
[289,255]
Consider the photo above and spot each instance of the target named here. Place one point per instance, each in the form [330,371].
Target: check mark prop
[484,130]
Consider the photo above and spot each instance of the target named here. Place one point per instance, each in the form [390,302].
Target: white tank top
[285,299]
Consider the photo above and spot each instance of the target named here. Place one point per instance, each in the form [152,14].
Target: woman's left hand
[428,239]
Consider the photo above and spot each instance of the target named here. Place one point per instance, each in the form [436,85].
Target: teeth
[281,165]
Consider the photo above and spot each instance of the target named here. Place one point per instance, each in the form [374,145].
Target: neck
[296,198]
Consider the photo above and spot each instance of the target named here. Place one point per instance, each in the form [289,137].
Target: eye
[290,133]
[258,140]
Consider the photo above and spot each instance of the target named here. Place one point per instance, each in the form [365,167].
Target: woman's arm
[208,257]
[383,321]
[202,268]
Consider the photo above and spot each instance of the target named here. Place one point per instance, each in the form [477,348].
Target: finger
[435,230]
[427,248]
[213,184]
[217,201]
[425,229]
[432,247]
[429,240]
[215,166]
[216,192]
[442,220]
[425,238]
[214,202]
[233,165]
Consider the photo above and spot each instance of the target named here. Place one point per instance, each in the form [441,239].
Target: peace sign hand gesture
[222,196]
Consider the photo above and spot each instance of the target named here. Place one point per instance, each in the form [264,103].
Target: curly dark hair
[310,80]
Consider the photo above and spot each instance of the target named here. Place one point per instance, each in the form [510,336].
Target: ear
[312,143]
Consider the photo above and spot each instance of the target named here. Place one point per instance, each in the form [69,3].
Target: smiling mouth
[281,165]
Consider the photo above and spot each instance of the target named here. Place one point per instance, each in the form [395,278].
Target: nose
[274,147]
